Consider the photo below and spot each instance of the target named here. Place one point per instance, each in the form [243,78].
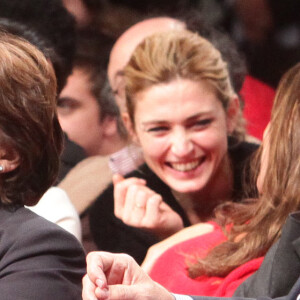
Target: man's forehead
[128,41]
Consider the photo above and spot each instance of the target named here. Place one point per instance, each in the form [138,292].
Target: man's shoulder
[20,227]
[21,220]
[37,256]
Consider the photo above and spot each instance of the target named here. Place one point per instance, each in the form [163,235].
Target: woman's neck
[199,206]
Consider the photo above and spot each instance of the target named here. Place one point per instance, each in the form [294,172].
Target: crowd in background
[147,128]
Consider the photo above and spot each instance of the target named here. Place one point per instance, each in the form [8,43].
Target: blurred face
[78,9]
[182,129]
[263,160]
[79,113]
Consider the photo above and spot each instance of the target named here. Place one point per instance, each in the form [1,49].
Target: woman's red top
[170,270]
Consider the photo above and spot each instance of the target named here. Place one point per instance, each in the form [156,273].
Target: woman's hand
[137,205]
[119,277]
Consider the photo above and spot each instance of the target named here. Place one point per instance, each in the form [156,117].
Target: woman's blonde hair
[260,222]
[166,56]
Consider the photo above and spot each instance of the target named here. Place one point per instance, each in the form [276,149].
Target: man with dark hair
[87,110]
[90,116]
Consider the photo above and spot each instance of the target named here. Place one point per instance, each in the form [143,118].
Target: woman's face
[182,129]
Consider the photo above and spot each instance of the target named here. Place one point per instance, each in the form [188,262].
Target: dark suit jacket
[279,274]
[281,266]
[294,294]
[38,259]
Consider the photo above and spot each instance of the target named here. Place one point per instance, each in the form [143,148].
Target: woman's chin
[186,187]
[186,182]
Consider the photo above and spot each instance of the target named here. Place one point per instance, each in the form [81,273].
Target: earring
[1,169]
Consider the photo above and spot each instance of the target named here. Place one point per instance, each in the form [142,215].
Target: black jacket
[38,259]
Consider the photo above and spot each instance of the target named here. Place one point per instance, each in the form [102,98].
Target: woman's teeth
[185,167]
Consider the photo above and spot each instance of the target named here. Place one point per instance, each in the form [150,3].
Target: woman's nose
[182,144]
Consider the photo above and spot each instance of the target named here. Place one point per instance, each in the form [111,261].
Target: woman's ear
[9,159]
[233,114]
[130,127]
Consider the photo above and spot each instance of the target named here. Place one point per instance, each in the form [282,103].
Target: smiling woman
[255,226]
[187,148]
[185,115]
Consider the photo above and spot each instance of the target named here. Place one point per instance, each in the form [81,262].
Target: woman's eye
[203,123]
[158,129]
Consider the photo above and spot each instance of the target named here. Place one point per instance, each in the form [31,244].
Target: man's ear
[109,125]
[130,127]
[9,159]
[233,114]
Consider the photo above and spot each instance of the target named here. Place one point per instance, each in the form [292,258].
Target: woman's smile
[186,166]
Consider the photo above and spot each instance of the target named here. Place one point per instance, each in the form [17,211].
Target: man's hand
[119,277]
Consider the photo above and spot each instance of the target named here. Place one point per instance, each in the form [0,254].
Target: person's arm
[187,233]
[113,276]
[86,181]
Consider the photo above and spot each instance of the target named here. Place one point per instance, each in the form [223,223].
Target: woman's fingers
[129,204]
[135,204]
[152,214]
[120,192]
[117,178]
[139,208]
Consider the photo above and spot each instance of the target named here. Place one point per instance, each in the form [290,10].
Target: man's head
[86,108]
[125,45]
